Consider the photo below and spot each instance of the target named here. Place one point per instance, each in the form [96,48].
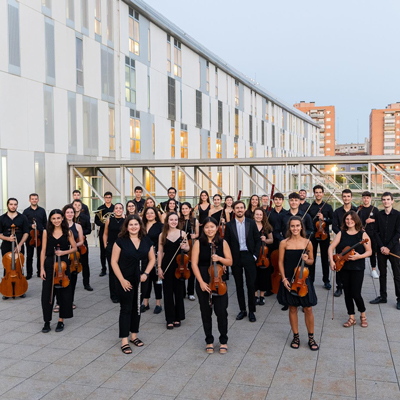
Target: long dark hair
[182,220]
[227,197]
[144,218]
[167,205]
[355,218]
[203,237]
[165,230]
[126,208]
[64,223]
[67,207]
[266,226]
[303,230]
[249,205]
[124,230]
[208,197]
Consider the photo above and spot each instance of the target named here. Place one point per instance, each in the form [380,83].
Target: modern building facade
[352,149]
[325,117]
[115,80]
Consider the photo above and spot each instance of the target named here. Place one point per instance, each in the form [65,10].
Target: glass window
[184,144]
[199,109]
[209,146]
[130,80]
[111,128]
[48,118]
[84,14]
[172,140]
[69,11]
[251,152]
[150,182]
[219,146]
[134,37]
[168,53]
[97,17]
[220,117]
[135,135]
[236,122]
[177,58]
[236,93]
[208,76]
[110,17]
[235,150]
[50,52]
[72,126]
[79,62]
[171,99]
[13,38]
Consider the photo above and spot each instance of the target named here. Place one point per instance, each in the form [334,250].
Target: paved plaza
[85,361]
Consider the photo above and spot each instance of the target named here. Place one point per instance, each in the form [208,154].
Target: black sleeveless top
[205,258]
[52,243]
[351,240]
[187,226]
[114,228]
[74,231]
[203,214]
[217,215]
[154,232]
[231,214]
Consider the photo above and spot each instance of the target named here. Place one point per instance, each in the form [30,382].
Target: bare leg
[293,318]
[309,319]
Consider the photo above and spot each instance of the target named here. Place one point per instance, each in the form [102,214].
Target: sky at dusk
[341,53]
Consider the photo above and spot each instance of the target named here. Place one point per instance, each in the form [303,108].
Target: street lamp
[334,169]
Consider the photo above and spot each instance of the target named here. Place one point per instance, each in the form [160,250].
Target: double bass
[14,283]
[276,276]
[263,261]
[216,271]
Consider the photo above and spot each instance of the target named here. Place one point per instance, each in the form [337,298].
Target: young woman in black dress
[170,242]
[112,228]
[263,279]
[131,249]
[202,209]
[292,250]
[228,210]
[201,261]
[56,234]
[216,211]
[190,226]
[150,203]
[253,204]
[352,272]
[153,226]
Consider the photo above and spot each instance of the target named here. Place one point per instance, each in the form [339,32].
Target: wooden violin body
[276,276]
[321,233]
[344,256]
[263,261]
[216,271]
[83,249]
[221,229]
[60,278]
[298,285]
[35,237]
[75,265]
[182,272]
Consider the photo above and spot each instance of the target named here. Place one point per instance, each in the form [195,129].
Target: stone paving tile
[240,392]
[55,373]
[370,390]
[131,381]
[91,376]
[165,384]
[30,389]
[320,396]
[24,369]
[8,382]
[70,391]
[327,384]
[140,395]
[287,393]
[107,394]
[199,389]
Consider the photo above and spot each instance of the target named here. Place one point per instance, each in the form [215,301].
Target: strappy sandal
[126,349]
[364,323]
[351,321]
[224,349]
[295,342]
[137,342]
[210,349]
[73,306]
[312,344]
[56,309]
[177,324]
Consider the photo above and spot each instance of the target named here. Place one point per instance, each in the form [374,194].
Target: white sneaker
[192,298]
[374,274]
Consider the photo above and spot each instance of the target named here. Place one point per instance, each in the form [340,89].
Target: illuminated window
[283,139]
[130,80]
[177,58]
[272,113]
[133,31]
[251,151]
[219,146]
[97,17]
[168,53]
[184,141]
[219,179]
[172,139]
[216,82]
[236,122]
[111,124]
[135,132]
[262,133]
[150,182]
[208,76]
[154,138]
[209,146]
[209,182]
[236,93]
[181,183]
[235,149]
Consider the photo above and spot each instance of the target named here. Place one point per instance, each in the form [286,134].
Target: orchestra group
[179,250]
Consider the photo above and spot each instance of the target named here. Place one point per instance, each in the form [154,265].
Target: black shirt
[83,220]
[387,230]
[364,214]
[21,227]
[338,218]
[304,207]
[327,212]
[273,218]
[105,210]
[39,215]
[85,209]
[139,205]
[282,227]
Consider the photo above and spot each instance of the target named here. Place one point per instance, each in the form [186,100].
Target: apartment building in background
[352,149]
[115,80]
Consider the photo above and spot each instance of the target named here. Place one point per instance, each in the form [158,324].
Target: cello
[276,276]
[14,283]
[263,261]
[216,271]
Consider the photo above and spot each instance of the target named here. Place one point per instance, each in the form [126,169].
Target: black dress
[189,227]
[220,303]
[263,279]
[74,275]
[130,261]
[64,295]
[173,288]
[217,215]
[291,261]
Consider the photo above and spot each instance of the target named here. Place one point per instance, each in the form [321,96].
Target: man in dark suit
[245,242]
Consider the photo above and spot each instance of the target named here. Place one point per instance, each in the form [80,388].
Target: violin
[263,261]
[60,278]
[221,228]
[14,283]
[75,265]
[276,276]
[342,257]
[83,249]
[298,285]
[182,272]
[216,271]
[34,234]
[321,233]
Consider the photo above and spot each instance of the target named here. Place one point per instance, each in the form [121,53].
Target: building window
[220,117]
[219,179]
[251,152]
[236,93]
[219,146]
[168,53]
[172,140]
[111,128]
[46,3]
[107,73]
[135,131]
[150,182]
[266,111]
[79,62]
[273,136]
[177,59]
[208,146]
[69,11]
[262,133]
[50,52]
[110,17]
[90,127]
[84,14]
[184,141]
[133,31]
[209,182]
[130,80]
[235,149]
[272,113]
[207,76]
[199,108]
[72,127]
[14,61]
[250,128]
[236,122]
[216,82]
[171,99]
[97,17]
[154,138]
[48,118]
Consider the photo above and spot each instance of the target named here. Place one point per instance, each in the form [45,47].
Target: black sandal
[210,349]
[137,342]
[170,326]
[126,349]
[177,324]
[296,341]
[312,344]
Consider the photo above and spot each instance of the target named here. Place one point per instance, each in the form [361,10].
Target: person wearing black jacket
[368,215]
[100,220]
[76,194]
[273,217]
[171,196]
[304,204]
[387,235]
[245,242]
[347,197]
[36,216]
[84,221]
[138,200]
[320,211]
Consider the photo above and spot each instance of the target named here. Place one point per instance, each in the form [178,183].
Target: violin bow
[172,259]
[306,212]
[326,201]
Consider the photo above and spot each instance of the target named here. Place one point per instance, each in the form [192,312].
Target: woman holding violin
[171,244]
[210,249]
[57,243]
[253,204]
[264,269]
[295,254]
[190,226]
[351,263]
[131,249]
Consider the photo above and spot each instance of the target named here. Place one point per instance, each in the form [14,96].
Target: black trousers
[373,256]
[352,285]
[103,253]
[263,279]
[64,296]
[85,267]
[323,246]
[220,305]
[30,250]
[152,281]
[190,282]
[339,281]
[112,279]
[248,264]
[129,315]
[382,265]
[174,290]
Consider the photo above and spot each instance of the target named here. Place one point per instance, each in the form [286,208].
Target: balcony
[317,115]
